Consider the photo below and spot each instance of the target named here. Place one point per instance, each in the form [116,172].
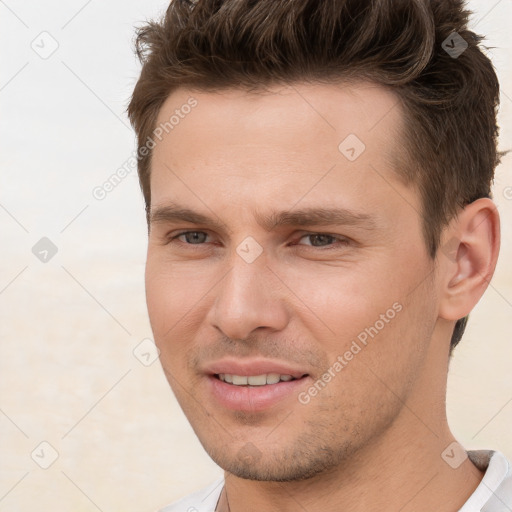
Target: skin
[372,438]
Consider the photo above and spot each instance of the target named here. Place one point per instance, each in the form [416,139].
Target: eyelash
[341,240]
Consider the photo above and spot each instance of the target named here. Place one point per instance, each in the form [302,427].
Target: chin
[286,464]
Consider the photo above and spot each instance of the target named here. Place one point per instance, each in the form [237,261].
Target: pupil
[195,237]
[324,238]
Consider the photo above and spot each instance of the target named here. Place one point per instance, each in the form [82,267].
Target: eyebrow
[306,217]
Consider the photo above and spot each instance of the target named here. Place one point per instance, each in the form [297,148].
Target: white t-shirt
[493,494]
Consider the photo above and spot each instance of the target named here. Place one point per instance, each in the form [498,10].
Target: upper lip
[252,367]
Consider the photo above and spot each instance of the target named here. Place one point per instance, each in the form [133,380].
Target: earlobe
[467,257]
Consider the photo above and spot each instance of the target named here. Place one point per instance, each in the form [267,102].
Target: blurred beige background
[73,372]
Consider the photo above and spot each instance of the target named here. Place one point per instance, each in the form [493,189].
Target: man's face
[269,283]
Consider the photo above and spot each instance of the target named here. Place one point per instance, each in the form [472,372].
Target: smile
[254,380]
[254,393]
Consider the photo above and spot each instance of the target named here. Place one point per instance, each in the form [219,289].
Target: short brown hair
[450,100]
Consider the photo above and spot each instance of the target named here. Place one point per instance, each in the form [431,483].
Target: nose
[249,297]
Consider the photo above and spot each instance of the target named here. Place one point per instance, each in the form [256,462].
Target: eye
[323,240]
[316,240]
[191,237]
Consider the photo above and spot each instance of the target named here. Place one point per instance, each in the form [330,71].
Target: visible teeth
[258,380]
[273,378]
[254,380]
[239,380]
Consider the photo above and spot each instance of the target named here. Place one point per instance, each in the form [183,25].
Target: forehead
[330,143]
[365,109]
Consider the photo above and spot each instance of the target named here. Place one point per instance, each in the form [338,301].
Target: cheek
[175,300]
[340,303]
[174,296]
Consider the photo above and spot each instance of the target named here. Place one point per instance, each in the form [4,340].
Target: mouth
[265,379]
[254,385]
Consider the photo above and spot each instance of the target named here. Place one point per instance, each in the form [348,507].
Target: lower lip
[253,398]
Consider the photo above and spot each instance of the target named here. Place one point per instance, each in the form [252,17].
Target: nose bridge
[247,297]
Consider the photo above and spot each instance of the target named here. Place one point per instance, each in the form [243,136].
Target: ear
[467,258]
